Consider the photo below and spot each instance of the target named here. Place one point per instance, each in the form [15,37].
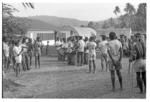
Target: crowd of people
[17,54]
[79,51]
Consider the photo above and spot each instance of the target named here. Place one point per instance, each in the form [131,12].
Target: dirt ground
[58,80]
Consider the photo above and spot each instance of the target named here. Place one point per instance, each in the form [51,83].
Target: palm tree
[130,11]
[28,5]
[117,10]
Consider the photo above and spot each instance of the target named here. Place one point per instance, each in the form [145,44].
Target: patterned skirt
[139,65]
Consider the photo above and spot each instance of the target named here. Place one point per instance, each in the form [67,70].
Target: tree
[9,22]
[91,24]
[28,5]
[140,18]
[130,11]
[117,10]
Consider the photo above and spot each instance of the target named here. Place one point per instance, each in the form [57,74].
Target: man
[103,50]
[58,45]
[86,51]
[92,54]
[115,57]
[25,55]
[80,53]
[139,65]
[37,51]
[70,50]
[64,48]
[30,51]
[5,53]
[47,46]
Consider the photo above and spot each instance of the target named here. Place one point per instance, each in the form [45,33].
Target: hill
[36,24]
[59,21]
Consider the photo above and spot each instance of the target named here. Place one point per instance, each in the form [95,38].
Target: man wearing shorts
[103,50]
[115,57]
[92,54]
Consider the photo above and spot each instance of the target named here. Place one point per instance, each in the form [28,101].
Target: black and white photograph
[53,50]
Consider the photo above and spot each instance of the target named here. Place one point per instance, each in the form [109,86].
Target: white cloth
[103,47]
[81,46]
[70,46]
[16,51]
[24,46]
[65,45]
[113,47]
[58,44]
[6,49]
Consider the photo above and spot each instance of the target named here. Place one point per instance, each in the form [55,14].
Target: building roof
[80,31]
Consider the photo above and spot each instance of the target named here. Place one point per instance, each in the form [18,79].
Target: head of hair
[57,38]
[38,38]
[64,40]
[86,39]
[16,42]
[4,39]
[103,37]
[91,38]
[80,37]
[112,35]
[23,40]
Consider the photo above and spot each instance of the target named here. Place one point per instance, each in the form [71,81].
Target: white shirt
[16,51]
[6,49]
[58,43]
[91,47]
[81,46]
[65,45]
[114,46]
[103,46]
[24,47]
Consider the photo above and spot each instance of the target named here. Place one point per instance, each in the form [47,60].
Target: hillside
[59,21]
[37,24]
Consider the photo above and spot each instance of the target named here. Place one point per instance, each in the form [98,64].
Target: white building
[45,35]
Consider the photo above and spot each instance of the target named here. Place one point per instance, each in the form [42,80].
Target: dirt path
[58,80]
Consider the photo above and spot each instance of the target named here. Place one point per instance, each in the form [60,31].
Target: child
[92,54]
[5,54]
[18,57]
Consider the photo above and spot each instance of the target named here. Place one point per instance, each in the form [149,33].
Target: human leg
[144,78]
[112,72]
[119,78]
[90,65]
[94,66]
[139,80]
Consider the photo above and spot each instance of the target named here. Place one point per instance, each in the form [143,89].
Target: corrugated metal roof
[85,31]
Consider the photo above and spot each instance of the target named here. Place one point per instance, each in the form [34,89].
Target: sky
[80,11]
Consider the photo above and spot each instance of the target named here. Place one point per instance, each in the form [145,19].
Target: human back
[114,47]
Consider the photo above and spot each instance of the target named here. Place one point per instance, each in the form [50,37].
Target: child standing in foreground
[18,57]
[92,54]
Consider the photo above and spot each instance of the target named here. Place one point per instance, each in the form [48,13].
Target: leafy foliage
[10,25]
